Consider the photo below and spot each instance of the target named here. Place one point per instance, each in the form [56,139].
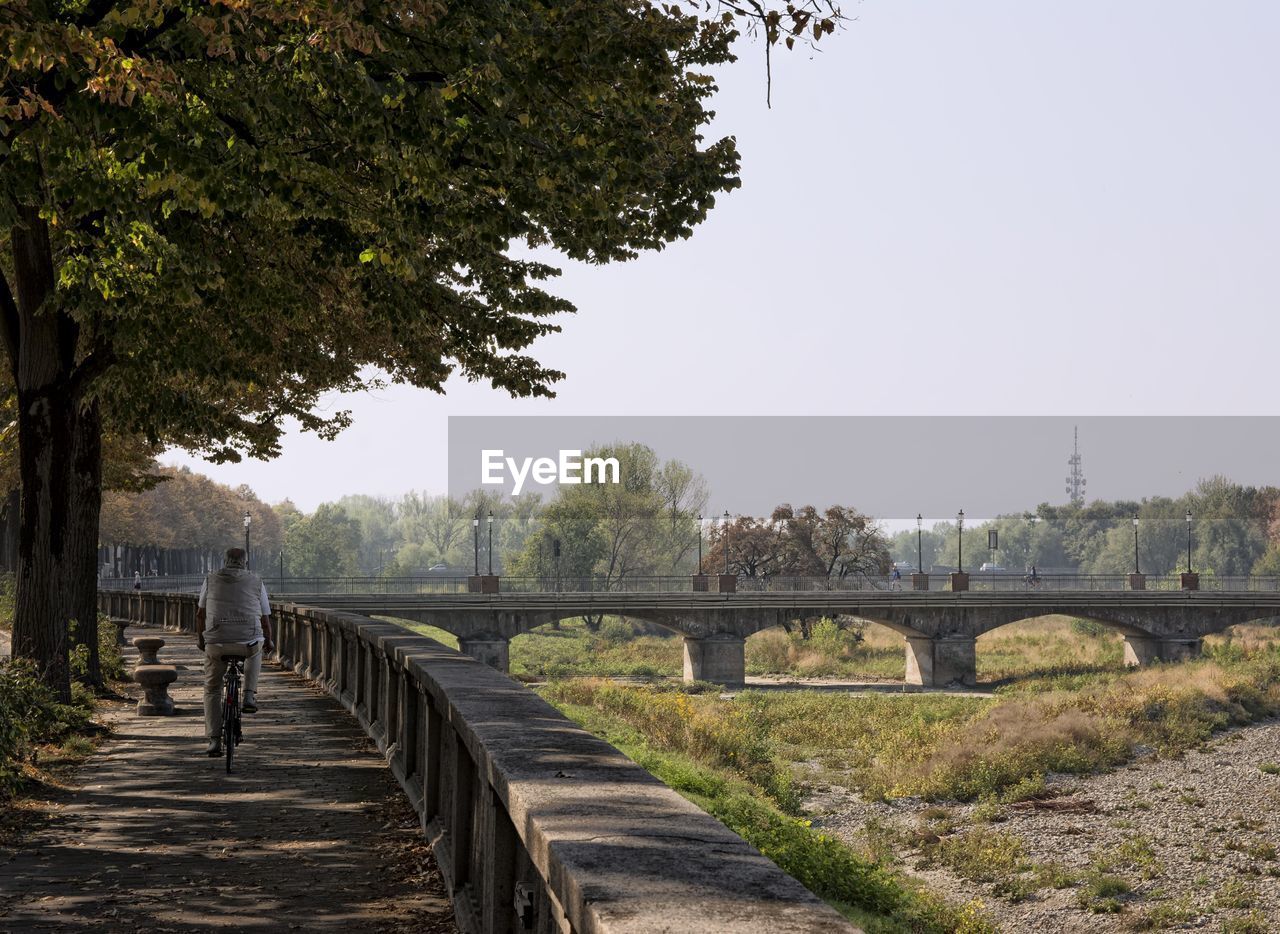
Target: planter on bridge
[700,583]
[1190,580]
[482,583]
[919,581]
[1137,582]
[959,581]
[728,583]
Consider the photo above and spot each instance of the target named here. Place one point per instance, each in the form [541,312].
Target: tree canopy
[215,213]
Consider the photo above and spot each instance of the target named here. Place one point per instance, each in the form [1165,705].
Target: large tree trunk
[12,522]
[42,348]
[85,513]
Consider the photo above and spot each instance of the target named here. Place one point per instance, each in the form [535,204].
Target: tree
[757,548]
[836,543]
[377,518]
[804,542]
[325,544]
[215,214]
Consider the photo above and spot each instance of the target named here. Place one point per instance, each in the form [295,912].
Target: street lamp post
[960,541]
[1035,524]
[1188,541]
[919,544]
[247,519]
[726,541]
[475,535]
[699,543]
[491,543]
[1135,545]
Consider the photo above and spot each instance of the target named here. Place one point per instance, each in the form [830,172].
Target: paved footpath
[311,833]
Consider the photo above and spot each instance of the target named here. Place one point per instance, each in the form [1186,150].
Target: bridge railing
[190,583]
[999,581]
[536,824]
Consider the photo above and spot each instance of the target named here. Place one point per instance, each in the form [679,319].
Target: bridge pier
[942,661]
[719,658]
[1144,650]
[494,651]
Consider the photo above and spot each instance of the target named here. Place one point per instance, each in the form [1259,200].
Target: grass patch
[1233,894]
[985,855]
[945,747]
[1166,914]
[1135,853]
[852,651]
[423,629]
[1253,923]
[869,893]
[1100,893]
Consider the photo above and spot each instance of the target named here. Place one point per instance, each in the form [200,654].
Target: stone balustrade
[536,824]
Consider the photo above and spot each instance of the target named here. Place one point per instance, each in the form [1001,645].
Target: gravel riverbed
[1205,827]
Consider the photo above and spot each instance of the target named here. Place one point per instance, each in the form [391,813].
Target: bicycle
[232,677]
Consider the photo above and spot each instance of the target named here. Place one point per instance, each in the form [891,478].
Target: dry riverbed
[1177,843]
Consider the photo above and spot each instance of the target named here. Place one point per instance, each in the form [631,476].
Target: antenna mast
[1075,480]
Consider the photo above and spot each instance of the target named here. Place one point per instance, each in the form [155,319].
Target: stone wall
[536,824]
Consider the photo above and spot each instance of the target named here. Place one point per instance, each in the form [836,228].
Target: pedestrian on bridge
[233,609]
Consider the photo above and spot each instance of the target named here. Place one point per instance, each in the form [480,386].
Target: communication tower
[1075,480]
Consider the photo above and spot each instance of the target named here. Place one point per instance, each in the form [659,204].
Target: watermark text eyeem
[569,469]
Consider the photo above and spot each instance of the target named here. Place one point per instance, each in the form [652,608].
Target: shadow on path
[311,833]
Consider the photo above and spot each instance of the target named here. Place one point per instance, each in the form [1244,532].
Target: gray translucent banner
[889,466]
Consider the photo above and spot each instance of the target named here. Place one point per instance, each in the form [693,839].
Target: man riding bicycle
[233,619]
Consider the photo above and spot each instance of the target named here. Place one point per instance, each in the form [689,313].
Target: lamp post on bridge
[1137,580]
[919,580]
[478,583]
[1188,541]
[699,579]
[1136,569]
[960,580]
[699,543]
[919,543]
[247,519]
[728,582]
[1190,580]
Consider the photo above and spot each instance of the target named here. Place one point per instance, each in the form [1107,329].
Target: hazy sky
[979,208]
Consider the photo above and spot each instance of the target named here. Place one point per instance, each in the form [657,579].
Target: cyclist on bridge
[234,613]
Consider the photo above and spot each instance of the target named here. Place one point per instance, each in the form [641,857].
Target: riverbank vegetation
[756,798]
[753,759]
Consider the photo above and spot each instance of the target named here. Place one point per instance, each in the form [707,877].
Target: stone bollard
[147,647]
[155,680]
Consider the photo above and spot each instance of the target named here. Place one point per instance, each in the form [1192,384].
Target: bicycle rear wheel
[229,727]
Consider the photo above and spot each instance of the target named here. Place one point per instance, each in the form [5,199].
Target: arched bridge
[939,628]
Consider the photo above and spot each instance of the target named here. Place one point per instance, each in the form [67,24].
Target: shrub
[1100,892]
[985,855]
[109,654]
[615,631]
[29,715]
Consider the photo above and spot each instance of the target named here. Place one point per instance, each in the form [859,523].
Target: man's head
[235,558]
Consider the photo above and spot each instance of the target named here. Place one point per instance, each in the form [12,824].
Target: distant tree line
[1235,531]
[648,525]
